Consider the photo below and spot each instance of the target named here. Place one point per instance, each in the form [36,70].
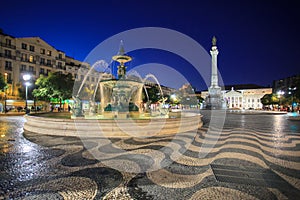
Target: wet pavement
[254,157]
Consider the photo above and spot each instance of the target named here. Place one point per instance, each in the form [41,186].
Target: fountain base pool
[113,127]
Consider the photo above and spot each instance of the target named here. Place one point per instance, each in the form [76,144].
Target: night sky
[257,40]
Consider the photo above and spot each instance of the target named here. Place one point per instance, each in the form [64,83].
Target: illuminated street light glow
[26,77]
[280,93]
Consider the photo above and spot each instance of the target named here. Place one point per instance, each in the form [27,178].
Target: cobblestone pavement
[254,157]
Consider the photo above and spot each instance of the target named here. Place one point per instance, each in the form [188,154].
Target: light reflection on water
[273,124]
[23,160]
[19,157]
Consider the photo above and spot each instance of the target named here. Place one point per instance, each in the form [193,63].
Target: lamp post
[5,89]
[280,93]
[292,91]
[26,78]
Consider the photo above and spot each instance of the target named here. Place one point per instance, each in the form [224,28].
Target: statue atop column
[214,41]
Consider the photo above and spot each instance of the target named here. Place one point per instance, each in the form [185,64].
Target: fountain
[120,112]
[122,96]
[119,98]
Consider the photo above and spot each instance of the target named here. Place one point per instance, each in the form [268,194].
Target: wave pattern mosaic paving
[242,164]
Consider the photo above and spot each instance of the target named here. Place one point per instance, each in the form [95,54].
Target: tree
[55,85]
[3,84]
[153,94]
[269,99]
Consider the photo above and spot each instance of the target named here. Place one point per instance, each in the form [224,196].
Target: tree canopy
[55,85]
[3,84]
[153,94]
[269,99]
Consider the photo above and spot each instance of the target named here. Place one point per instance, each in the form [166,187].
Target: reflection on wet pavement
[41,166]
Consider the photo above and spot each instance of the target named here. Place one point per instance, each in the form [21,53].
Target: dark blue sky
[257,40]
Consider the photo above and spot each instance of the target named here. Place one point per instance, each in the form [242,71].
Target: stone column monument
[214,99]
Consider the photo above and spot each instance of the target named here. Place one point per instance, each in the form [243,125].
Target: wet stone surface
[254,157]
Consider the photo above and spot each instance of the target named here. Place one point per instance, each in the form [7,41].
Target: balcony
[7,45]
[7,56]
[61,59]
[8,68]
[43,63]
[61,67]
[27,60]
[48,65]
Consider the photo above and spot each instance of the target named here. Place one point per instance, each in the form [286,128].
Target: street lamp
[292,92]
[280,93]
[5,89]
[26,77]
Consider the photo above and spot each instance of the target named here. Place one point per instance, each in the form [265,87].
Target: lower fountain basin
[113,127]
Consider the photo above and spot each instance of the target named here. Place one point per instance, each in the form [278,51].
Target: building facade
[243,98]
[33,56]
[285,84]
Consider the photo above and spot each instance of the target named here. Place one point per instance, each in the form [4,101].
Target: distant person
[19,108]
[69,108]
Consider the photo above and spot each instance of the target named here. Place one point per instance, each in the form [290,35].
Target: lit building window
[48,53]
[43,51]
[31,59]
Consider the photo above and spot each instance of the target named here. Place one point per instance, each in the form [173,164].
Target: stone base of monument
[113,127]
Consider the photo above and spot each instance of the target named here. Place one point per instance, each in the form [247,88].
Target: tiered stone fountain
[120,113]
